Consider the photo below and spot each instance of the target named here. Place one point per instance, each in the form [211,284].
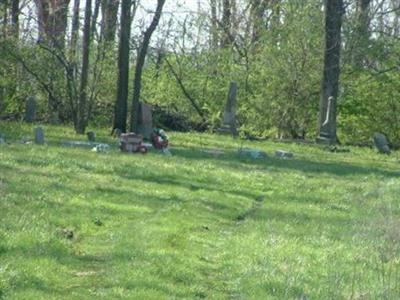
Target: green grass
[319,226]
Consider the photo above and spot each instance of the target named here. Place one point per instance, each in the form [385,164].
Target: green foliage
[370,100]
[286,75]
[278,75]
[278,78]
[318,226]
[371,104]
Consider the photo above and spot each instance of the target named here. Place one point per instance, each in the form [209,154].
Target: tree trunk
[362,33]
[121,104]
[94,17]
[214,24]
[140,63]
[82,103]
[74,36]
[60,22]
[4,17]
[330,81]
[276,15]
[226,23]
[15,18]
[257,10]
[53,21]
[109,12]
[52,25]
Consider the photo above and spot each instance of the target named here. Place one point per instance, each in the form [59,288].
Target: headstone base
[228,130]
[324,139]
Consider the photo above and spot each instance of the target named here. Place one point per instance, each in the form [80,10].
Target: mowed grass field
[76,224]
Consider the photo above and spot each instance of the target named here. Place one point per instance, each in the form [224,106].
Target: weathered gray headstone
[381,143]
[91,136]
[229,121]
[39,135]
[30,110]
[131,142]
[145,124]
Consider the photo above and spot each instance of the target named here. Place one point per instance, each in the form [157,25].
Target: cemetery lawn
[76,224]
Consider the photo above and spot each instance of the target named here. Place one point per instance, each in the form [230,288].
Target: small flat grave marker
[283,154]
[131,142]
[79,144]
[253,153]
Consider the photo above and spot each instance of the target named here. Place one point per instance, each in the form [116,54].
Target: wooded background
[92,61]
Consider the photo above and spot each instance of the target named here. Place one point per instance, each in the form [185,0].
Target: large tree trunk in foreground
[330,80]
[121,104]
[82,102]
[140,63]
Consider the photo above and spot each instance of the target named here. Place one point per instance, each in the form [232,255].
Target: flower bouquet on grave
[159,139]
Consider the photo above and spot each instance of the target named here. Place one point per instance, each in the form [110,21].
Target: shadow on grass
[191,183]
[234,161]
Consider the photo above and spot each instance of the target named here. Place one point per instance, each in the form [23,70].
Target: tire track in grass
[217,268]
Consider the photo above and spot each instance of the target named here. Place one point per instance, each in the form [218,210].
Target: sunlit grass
[319,226]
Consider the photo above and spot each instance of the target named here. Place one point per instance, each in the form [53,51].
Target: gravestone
[30,110]
[381,143]
[131,142]
[253,153]
[79,144]
[39,135]
[229,121]
[91,136]
[145,121]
